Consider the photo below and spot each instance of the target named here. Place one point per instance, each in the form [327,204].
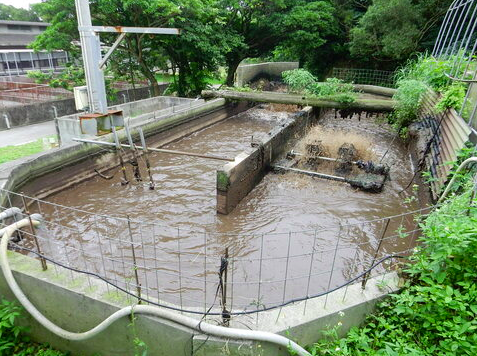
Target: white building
[16,58]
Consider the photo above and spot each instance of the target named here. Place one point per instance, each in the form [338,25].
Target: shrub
[408,101]
[14,339]
[298,80]
[302,81]
[452,97]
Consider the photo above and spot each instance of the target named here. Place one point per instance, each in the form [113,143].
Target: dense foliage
[392,30]
[302,81]
[436,311]
[408,98]
[11,13]
[416,77]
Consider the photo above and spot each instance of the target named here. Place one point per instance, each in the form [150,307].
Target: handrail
[461,167]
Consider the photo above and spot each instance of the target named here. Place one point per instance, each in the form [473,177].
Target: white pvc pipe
[203,327]
[461,167]
[36,217]
[11,212]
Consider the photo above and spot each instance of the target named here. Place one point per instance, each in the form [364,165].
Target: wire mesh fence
[365,76]
[202,273]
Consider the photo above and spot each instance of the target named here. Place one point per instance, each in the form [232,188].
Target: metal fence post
[33,233]
[310,272]
[136,275]
[223,282]
[366,275]
[333,266]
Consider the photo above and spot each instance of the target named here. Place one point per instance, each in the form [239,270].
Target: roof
[8,22]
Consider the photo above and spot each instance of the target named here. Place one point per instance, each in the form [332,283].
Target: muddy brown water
[282,236]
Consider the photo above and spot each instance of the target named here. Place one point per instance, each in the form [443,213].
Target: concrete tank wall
[77,303]
[22,115]
[248,72]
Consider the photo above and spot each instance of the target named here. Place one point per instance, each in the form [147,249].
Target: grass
[11,153]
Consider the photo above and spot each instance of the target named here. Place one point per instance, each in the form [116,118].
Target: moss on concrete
[222,181]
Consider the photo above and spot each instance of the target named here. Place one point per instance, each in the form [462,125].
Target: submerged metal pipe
[162,150]
[310,173]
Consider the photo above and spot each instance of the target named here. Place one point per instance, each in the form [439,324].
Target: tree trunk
[150,77]
[375,105]
[231,69]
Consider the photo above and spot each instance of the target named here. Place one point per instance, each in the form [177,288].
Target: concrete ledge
[78,303]
[236,179]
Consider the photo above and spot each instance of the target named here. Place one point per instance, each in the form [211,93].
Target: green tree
[283,29]
[193,55]
[392,30]
[254,27]
[311,28]
[8,12]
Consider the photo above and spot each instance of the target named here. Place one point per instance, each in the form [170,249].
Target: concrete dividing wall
[22,115]
[248,72]
[78,303]
[236,179]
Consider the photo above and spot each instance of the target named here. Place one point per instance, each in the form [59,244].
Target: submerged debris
[371,167]
[347,154]
[314,149]
[368,182]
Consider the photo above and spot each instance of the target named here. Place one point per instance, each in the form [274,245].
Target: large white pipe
[449,186]
[36,217]
[11,212]
[200,326]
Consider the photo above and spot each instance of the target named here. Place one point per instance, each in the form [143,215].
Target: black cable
[246,312]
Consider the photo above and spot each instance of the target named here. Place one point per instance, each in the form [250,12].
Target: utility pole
[91,51]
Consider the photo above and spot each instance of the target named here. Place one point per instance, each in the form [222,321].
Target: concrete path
[25,134]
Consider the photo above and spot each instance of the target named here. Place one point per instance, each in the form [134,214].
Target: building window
[19,27]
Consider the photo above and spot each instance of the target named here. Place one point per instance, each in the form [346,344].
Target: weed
[302,81]
[14,339]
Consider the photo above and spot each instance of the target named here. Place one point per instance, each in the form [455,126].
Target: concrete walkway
[25,134]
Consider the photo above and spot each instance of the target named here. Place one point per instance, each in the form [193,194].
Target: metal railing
[34,93]
[213,273]
[457,43]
